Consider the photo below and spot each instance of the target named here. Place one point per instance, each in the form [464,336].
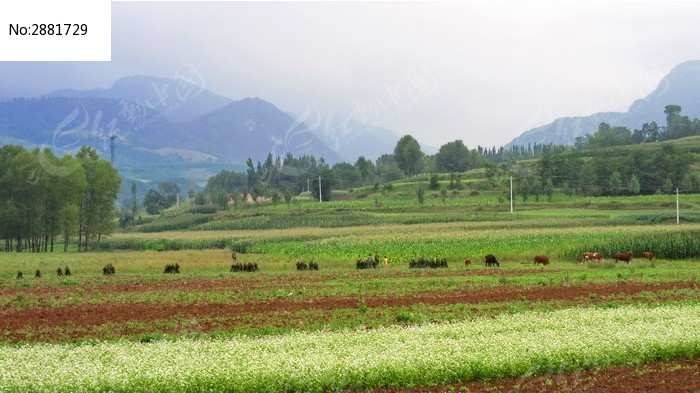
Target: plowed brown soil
[676,376]
[15,324]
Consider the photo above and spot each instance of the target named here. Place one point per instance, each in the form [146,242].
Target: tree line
[620,170]
[280,178]
[47,199]
[677,126]
[587,172]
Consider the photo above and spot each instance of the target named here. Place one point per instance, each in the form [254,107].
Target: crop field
[566,326]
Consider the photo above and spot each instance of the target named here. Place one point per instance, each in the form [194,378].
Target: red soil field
[79,318]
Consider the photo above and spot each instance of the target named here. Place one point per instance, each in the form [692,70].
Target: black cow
[490,260]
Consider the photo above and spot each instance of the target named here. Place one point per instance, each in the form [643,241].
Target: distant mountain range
[142,88]
[680,87]
[163,128]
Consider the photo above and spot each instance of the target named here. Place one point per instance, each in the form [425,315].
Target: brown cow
[467,262]
[648,255]
[541,259]
[592,255]
[624,256]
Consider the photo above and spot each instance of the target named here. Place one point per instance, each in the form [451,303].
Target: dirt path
[676,376]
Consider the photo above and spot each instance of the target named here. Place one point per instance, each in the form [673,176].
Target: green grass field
[344,329]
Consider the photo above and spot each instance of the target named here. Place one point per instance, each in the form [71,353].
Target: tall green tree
[97,210]
[548,190]
[219,199]
[408,155]
[346,175]
[170,191]
[455,157]
[154,201]
[366,169]
[134,203]
[688,183]
[634,186]
[328,181]
[667,186]
[615,183]
[434,182]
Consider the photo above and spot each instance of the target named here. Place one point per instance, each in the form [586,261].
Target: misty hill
[178,100]
[252,128]
[351,139]
[680,87]
[168,128]
[151,147]
[63,124]
[344,136]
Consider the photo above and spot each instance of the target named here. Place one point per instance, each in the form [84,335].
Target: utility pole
[319,190]
[111,148]
[308,185]
[511,193]
[678,208]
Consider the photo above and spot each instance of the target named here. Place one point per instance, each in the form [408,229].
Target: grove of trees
[618,171]
[584,169]
[46,198]
[677,126]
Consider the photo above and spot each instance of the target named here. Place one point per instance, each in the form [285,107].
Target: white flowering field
[478,349]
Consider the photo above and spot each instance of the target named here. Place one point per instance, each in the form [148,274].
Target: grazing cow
[648,255]
[467,262]
[541,259]
[587,256]
[490,260]
[624,256]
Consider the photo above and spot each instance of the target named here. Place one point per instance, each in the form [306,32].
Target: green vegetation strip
[482,349]
[404,242]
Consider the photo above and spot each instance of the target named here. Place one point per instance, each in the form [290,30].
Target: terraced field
[567,326]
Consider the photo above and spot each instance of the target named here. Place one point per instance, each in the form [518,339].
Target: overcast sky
[480,72]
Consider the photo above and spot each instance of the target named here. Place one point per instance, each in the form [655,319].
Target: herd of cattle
[489,260]
[620,256]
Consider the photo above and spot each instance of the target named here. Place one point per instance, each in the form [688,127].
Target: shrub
[202,209]
[244,267]
[433,263]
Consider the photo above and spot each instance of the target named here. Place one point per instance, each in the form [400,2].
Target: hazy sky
[480,72]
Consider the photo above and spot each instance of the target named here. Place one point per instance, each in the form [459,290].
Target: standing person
[369,258]
[385,262]
[234,255]
[376,257]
